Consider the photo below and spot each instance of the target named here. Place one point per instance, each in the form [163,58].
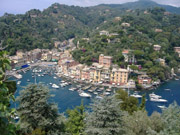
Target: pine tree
[35,111]
[171,118]
[105,118]
[75,123]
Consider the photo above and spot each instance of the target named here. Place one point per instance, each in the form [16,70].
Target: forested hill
[39,29]
[143,4]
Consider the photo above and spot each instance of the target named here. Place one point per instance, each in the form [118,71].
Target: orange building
[144,79]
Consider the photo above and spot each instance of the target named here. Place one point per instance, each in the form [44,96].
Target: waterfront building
[119,76]
[97,72]
[106,61]
[144,80]
[46,57]
[157,47]
[34,55]
[85,74]
[105,75]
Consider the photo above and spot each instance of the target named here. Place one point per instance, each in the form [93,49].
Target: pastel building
[119,76]
[157,47]
[106,61]
[144,80]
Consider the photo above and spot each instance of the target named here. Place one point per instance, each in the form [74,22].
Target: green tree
[35,111]
[129,103]
[105,118]
[75,123]
[171,119]
[7,89]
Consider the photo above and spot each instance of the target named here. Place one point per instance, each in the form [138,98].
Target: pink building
[106,61]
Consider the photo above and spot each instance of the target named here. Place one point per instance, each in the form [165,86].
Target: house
[57,44]
[158,30]
[177,50]
[104,32]
[117,18]
[119,76]
[125,54]
[113,34]
[106,61]
[157,47]
[128,56]
[125,24]
[161,61]
[144,80]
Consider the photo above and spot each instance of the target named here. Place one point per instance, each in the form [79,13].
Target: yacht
[72,89]
[162,106]
[108,90]
[83,94]
[55,86]
[136,95]
[19,82]
[152,95]
[107,93]
[156,99]
[99,97]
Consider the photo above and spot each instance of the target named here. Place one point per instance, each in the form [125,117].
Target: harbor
[68,94]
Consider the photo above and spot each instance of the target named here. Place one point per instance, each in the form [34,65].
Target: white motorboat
[72,89]
[55,86]
[136,95]
[19,82]
[83,94]
[155,99]
[152,95]
[167,89]
[95,93]
[162,106]
[108,90]
[99,97]
[107,93]
[28,80]
[55,77]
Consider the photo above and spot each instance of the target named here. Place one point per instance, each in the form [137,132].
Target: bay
[66,99]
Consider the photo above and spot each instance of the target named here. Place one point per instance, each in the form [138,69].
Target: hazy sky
[21,6]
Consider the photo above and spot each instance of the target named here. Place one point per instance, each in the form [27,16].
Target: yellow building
[119,76]
[97,72]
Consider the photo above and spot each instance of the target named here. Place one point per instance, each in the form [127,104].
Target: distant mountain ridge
[143,4]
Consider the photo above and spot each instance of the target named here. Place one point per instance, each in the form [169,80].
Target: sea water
[66,99]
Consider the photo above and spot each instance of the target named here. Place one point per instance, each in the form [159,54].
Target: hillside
[138,31]
[39,29]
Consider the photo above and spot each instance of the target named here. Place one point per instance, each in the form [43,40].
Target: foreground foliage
[7,89]
[35,111]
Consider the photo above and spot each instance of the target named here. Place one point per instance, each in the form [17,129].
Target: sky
[21,6]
